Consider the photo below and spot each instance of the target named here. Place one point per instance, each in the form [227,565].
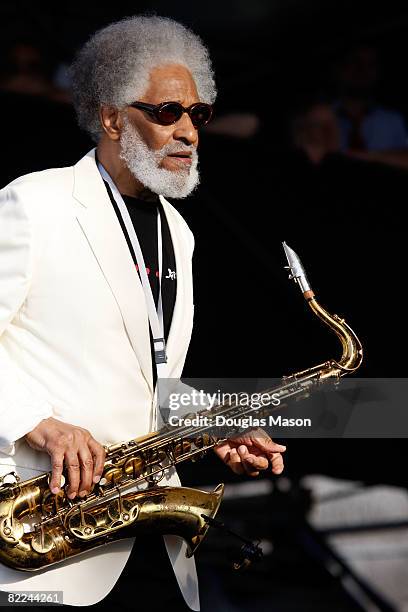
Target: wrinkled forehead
[170,82]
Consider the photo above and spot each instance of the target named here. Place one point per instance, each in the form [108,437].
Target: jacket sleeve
[20,409]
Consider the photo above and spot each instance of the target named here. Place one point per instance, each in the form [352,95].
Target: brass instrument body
[63,528]
[108,513]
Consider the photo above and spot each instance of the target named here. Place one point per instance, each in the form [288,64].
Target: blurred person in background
[39,111]
[356,124]
[27,69]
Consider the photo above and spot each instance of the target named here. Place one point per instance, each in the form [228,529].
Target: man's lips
[182,158]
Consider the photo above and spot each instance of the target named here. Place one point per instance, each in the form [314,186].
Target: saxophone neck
[352,351]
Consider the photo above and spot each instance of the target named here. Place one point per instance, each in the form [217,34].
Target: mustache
[175,147]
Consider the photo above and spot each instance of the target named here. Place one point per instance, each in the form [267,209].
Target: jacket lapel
[101,227]
[177,338]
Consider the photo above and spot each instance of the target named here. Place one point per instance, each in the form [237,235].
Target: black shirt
[143,215]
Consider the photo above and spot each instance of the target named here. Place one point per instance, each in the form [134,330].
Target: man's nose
[185,130]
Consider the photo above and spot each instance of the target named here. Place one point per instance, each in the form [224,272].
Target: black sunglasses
[167,113]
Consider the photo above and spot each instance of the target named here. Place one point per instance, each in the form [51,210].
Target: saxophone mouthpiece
[297,272]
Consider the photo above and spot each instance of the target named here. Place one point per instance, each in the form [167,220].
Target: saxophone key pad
[11,531]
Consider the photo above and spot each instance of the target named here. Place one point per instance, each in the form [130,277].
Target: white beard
[143,163]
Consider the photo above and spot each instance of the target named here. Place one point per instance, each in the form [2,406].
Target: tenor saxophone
[39,529]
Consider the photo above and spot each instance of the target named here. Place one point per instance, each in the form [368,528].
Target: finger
[258,462]
[259,438]
[242,450]
[277,464]
[57,465]
[249,466]
[98,454]
[249,462]
[234,462]
[87,467]
[73,466]
[269,446]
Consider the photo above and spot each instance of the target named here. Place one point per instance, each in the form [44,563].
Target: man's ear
[111,121]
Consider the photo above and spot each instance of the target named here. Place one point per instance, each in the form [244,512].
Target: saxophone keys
[134,467]
[113,475]
[11,530]
[62,480]
[83,524]
[42,542]
[129,511]
[10,478]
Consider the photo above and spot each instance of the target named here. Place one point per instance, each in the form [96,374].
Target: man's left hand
[250,452]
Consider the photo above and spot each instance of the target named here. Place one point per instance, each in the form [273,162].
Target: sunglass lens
[169,113]
[201,114]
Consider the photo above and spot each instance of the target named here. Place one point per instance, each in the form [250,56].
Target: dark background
[344,217]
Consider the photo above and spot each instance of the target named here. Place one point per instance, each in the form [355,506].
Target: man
[78,359]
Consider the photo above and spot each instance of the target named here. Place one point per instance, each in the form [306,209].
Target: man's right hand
[72,446]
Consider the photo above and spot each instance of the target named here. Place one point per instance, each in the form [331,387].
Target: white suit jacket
[74,344]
